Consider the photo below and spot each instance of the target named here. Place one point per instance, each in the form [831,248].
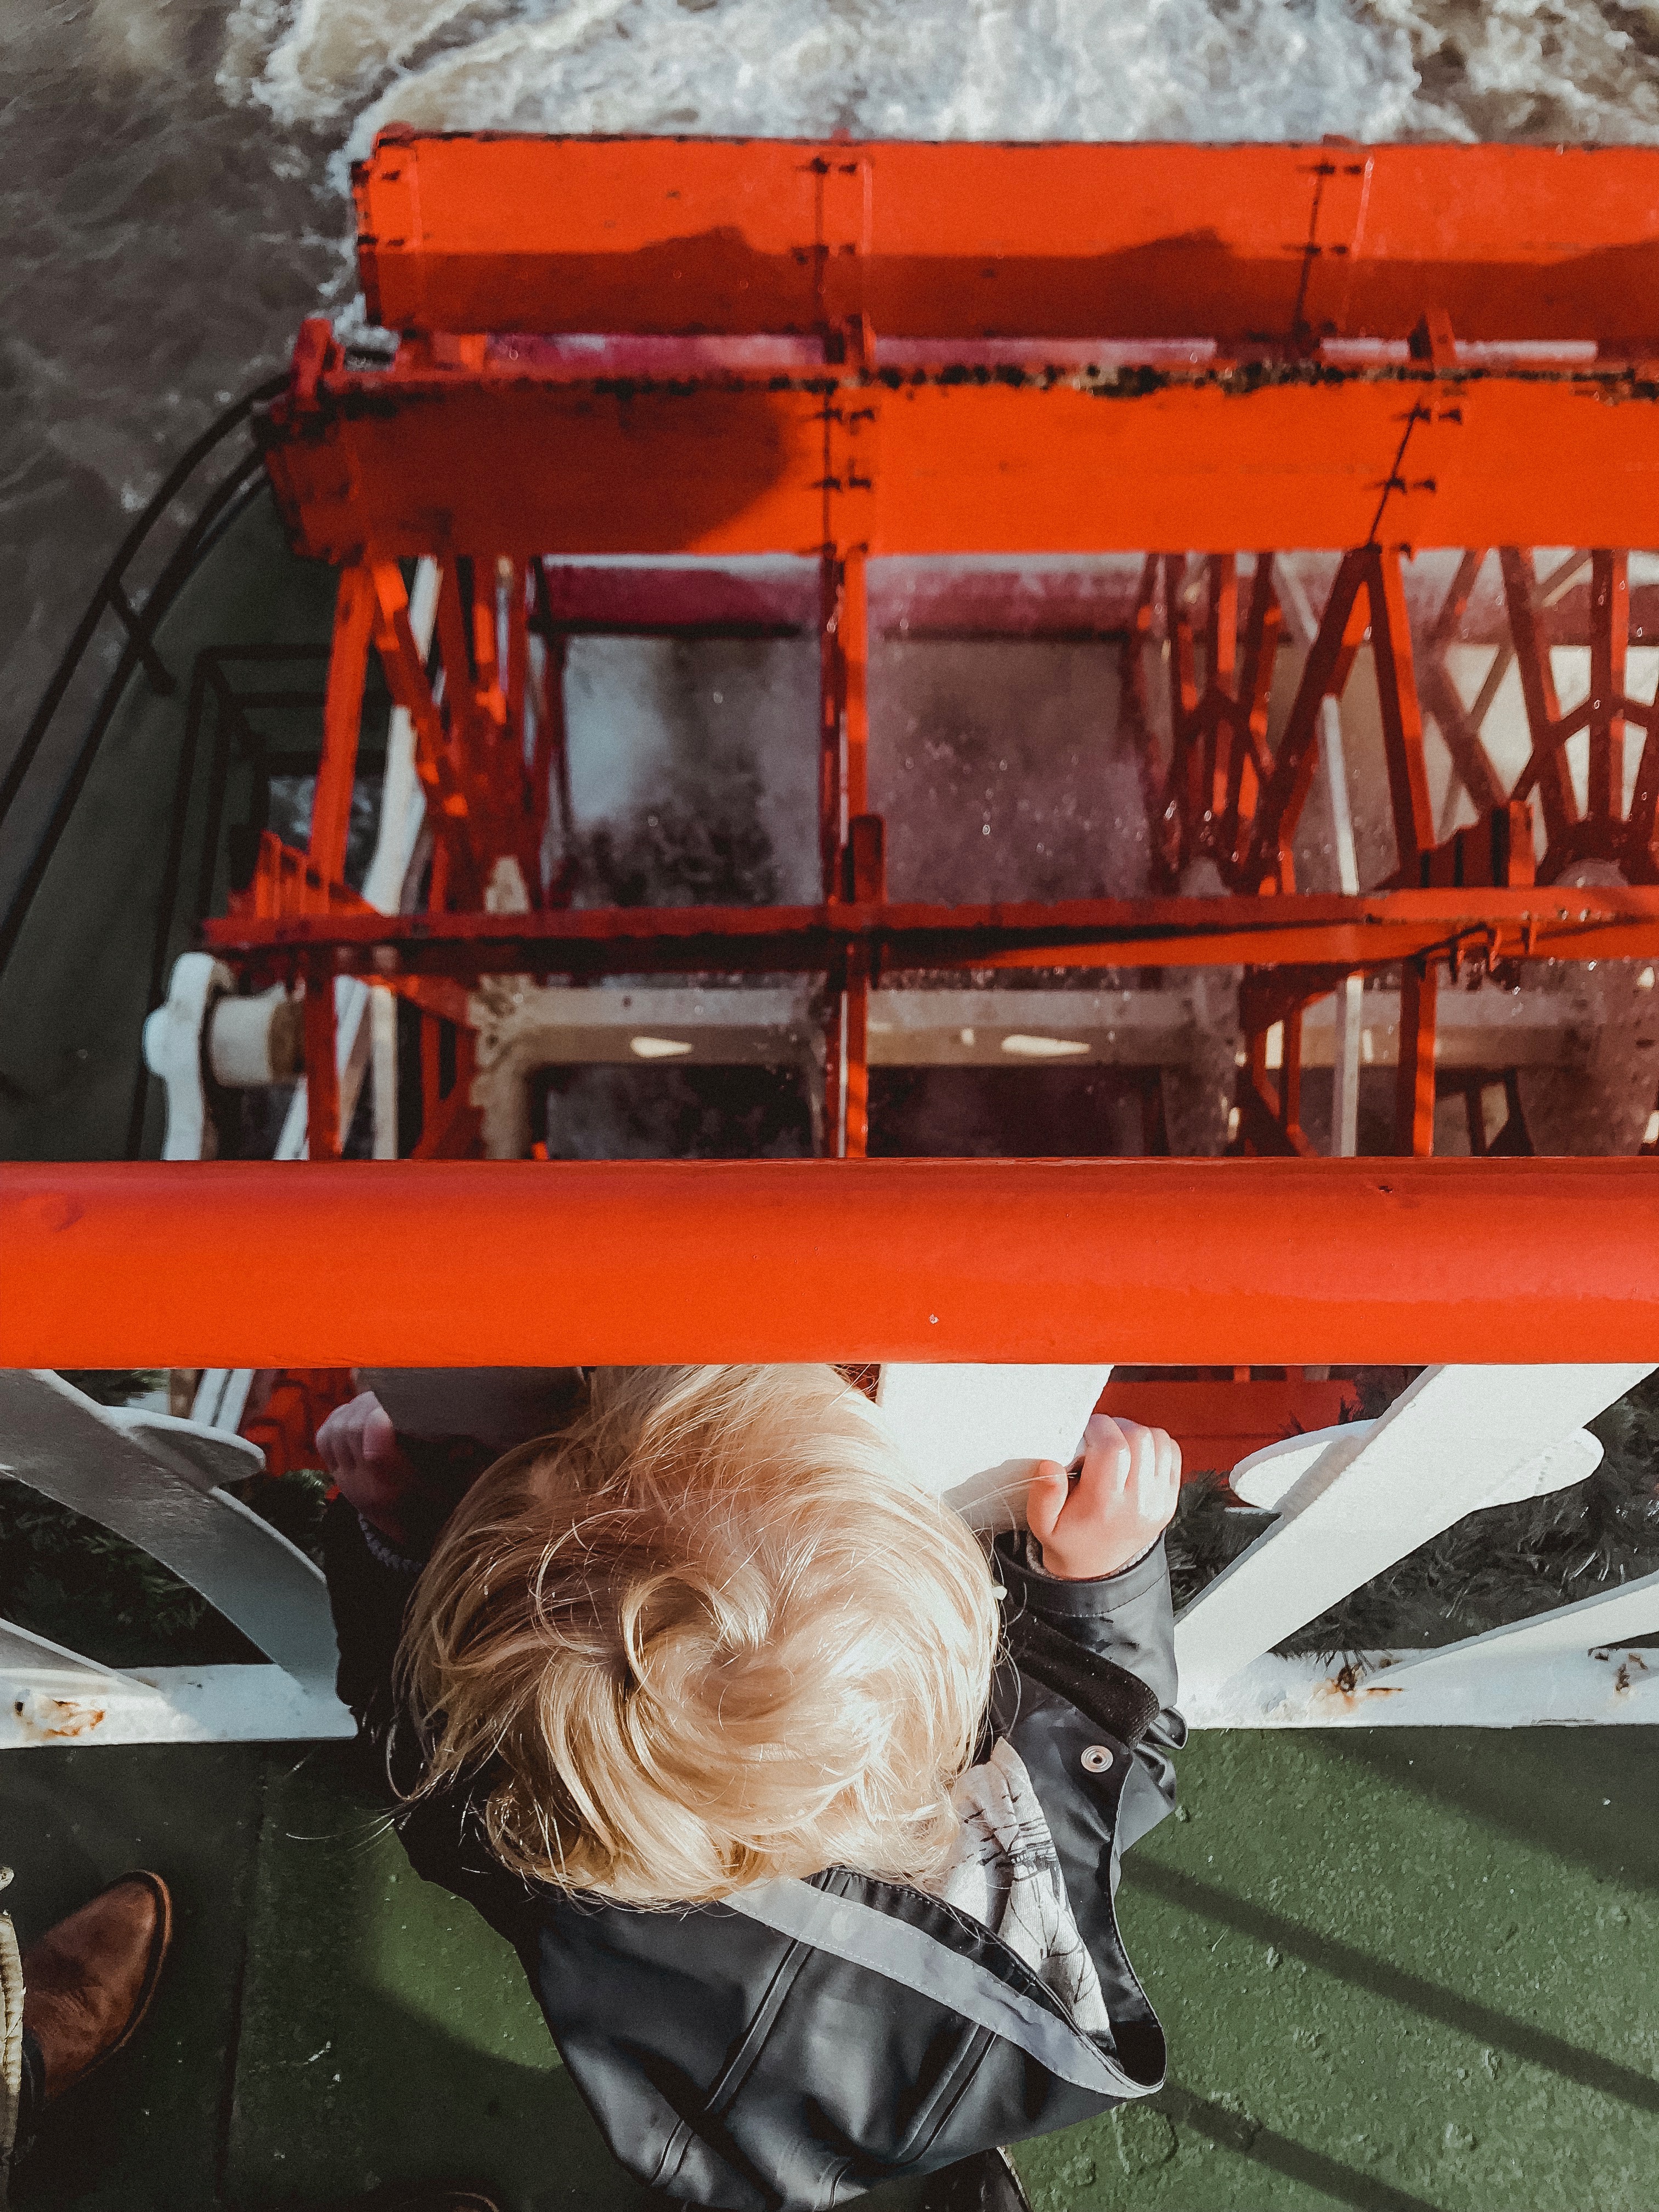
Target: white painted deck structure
[1349,1502]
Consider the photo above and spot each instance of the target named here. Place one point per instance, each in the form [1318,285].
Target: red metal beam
[323,1132]
[1078,606]
[1414,1100]
[459,1264]
[1060,607]
[476,234]
[613,601]
[1345,933]
[343,708]
[408,462]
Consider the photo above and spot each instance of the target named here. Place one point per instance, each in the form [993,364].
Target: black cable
[111,583]
[229,497]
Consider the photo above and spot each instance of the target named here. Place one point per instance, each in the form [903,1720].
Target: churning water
[1045,69]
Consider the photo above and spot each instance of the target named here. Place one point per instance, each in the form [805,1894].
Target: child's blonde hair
[712,1633]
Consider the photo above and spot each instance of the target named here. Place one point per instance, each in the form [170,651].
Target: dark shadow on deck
[1367,1971]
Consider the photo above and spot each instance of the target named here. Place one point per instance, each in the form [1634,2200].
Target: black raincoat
[808,2039]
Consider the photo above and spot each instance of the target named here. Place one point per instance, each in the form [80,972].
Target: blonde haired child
[803,1809]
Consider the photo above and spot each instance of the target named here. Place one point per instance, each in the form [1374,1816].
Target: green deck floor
[1398,1969]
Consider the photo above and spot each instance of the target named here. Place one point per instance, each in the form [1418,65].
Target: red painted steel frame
[457,1264]
[1233,243]
[407,460]
[1348,933]
[1064,606]
[853,351]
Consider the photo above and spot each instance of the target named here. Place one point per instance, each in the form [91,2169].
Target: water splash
[979,69]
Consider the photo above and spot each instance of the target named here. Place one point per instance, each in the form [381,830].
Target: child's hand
[1120,1499]
[358,1446]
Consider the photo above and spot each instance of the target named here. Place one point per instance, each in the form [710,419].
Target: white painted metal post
[1345,1073]
[221,1396]
[50,1696]
[1611,1617]
[53,1695]
[973,1435]
[156,1481]
[1344,1068]
[383,1059]
[1455,1440]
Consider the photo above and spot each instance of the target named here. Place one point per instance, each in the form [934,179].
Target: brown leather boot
[88,1982]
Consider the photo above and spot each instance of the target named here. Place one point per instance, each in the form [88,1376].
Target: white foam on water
[971,69]
[1046,68]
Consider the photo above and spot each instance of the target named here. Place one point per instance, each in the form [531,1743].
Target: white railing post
[975,1434]
[1458,1438]
[156,1481]
[1333,755]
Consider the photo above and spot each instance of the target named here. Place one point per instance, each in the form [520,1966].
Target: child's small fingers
[1131,1440]
[1108,1464]
[1102,1483]
[1165,1467]
[378,1438]
[1046,1499]
[333,1440]
[1149,1483]
[1170,1456]
[1107,1430]
[1168,1496]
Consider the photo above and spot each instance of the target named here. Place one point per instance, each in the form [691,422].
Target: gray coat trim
[864,1936]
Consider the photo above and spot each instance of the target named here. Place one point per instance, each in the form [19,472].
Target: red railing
[452,1263]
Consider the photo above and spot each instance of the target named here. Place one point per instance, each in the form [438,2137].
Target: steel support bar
[1074,603]
[1022,462]
[1367,931]
[1333,758]
[452,1263]
[323,1130]
[741,1026]
[1413,1107]
[853,870]
[343,709]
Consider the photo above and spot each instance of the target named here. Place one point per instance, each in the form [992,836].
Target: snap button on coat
[1097,1759]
